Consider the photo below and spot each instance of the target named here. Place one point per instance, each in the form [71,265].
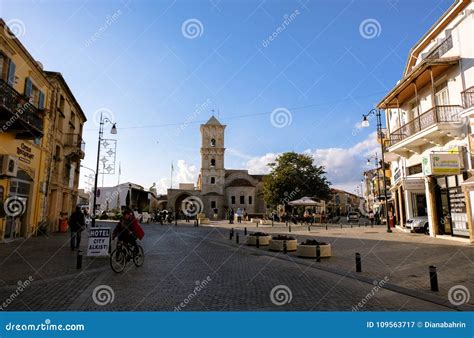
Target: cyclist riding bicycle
[126,227]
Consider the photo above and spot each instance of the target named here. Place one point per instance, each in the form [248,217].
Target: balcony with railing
[429,127]
[441,49]
[468,98]
[74,146]
[18,115]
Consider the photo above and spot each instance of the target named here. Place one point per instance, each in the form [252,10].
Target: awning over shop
[304,202]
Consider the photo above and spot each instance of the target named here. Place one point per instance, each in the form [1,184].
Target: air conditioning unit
[8,165]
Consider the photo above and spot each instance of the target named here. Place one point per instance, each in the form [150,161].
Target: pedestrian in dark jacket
[77,222]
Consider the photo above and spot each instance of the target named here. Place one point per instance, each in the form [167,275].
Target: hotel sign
[442,164]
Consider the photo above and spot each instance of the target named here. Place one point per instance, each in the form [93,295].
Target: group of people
[240,213]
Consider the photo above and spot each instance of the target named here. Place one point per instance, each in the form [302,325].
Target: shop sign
[442,164]
[25,153]
[99,242]
[414,184]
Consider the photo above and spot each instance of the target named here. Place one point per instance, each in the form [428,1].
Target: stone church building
[217,187]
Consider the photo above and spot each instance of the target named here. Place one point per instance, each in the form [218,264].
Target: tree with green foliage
[293,176]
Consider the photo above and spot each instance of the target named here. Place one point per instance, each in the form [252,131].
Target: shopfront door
[19,201]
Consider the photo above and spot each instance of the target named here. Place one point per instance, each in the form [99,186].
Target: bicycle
[123,253]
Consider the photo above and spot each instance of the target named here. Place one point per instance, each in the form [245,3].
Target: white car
[418,224]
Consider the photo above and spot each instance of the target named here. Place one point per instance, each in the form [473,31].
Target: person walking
[239,215]
[77,223]
[371,217]
[231,216]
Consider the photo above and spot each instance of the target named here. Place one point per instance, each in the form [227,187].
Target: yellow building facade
[41,144]
[24,105]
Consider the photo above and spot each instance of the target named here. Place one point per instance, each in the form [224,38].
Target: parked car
[418,224]
[353,217]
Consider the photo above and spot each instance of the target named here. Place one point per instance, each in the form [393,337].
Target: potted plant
[308,249]
[277,243]
[263,238]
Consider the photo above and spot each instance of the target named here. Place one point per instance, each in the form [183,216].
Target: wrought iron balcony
[441,49]
[435,115]
[468,98]
[75,144]
[18,115]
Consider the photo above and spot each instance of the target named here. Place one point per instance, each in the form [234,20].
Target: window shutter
[11,73]
[28,87]
[41,100]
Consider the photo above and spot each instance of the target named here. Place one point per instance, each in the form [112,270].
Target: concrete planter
[310,250]
[262,240]
[277,245]
[266,222]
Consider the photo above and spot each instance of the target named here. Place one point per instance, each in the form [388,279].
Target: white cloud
[344,166]
[183,173]
[259,165]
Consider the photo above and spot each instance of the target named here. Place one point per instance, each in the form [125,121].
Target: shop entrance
[18,202]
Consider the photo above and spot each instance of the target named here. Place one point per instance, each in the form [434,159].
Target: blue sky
[159,68]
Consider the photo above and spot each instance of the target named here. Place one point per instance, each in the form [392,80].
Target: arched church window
[213,180]
[213,142]
[213,162]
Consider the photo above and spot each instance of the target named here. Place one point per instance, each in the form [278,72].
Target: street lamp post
[365,124]
[375,157]
[113,131]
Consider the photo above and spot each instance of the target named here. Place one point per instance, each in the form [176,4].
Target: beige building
[67,150]
[343,202]
[428,136]
[219,189]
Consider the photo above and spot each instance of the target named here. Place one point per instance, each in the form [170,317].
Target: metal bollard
[197,222]
[245,231]
[79,260]
[272,221]
[289,228]
[257,244]
[230,235]
[285,248]
[237,238]
[351,225]
[175,222]
[286,223]
[433,278]
[341,225]
[318,253]
[309,227]
[326,226]
[358,263]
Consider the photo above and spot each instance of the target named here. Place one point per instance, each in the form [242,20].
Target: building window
[242,199]
[250,199]
[213,162]
[213,142]
[415,169]
[232,200]
[213,204]
[213,180]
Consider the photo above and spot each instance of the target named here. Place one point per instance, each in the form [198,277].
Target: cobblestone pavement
[403,257]
[186,269]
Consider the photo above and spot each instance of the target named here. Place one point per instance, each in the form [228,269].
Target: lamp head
[365,122]
[113,131]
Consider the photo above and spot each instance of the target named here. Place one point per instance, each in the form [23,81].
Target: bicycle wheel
[139,257]
[118,259]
